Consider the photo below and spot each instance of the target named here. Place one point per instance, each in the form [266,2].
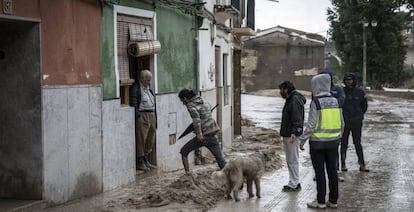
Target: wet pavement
[388,144]
[388,147]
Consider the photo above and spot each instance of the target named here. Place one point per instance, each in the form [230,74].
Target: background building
[282,54]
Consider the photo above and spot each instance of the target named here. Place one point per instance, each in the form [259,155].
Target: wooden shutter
[130,27]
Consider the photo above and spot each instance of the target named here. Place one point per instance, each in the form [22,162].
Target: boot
[362,167]
[343,158]
[141,165]
[148,164]
[343,167]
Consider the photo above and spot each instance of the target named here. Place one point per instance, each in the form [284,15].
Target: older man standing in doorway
[142,98]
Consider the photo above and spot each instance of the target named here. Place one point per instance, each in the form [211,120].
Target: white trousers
[292,160]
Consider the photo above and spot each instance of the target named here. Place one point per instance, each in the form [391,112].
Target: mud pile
[194,192]
[198,191]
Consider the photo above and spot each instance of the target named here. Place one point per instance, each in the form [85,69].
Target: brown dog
[249,167]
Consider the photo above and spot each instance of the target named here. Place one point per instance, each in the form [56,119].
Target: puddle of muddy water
[265,111]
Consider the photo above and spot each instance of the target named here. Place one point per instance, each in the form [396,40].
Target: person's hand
[200,136]
[292,138]
[301,147]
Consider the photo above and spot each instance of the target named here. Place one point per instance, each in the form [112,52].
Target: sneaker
[340,177]
[315,204]
[287,188]
[141,166]
[329,204]
[149,165]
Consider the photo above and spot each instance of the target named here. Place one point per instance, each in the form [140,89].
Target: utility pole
[365,24]
[364,56]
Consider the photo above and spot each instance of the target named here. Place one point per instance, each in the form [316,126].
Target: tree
[385,43]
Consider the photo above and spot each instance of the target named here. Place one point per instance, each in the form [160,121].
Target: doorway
[136,64]
[21,154]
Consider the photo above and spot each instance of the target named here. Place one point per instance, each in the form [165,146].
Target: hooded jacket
[336,90]
[355,104]
[293,115]
[200,112]
[321,86]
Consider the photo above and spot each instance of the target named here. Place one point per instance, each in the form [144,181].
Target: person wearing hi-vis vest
[324,130]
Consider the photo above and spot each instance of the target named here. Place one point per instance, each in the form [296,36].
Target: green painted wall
[177,59]
[108,54]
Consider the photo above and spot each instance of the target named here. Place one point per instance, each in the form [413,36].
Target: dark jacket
[293,114]
[355,103]
[135,98]
[336,90]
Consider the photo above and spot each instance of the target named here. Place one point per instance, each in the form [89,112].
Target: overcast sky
[304,15]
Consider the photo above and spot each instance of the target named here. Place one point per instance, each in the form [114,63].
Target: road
[387,139]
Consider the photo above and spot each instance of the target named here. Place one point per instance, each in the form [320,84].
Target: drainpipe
[197,53]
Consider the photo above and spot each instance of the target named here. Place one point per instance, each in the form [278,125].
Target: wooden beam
[243,31]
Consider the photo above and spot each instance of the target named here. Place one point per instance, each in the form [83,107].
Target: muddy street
[389,186]
[388,146]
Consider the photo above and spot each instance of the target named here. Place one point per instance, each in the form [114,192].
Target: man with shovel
[205,128]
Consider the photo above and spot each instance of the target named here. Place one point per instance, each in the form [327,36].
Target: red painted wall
[70,39]
[23,8]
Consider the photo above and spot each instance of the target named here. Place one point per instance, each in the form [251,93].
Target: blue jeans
[210,142]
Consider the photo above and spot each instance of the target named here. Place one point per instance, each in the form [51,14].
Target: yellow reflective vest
[328,119]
